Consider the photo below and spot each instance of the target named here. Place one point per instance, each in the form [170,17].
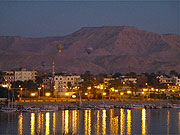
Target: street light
[67,94]
[47,94]
[73,96]
[39,88]
[129,92]
[33,94]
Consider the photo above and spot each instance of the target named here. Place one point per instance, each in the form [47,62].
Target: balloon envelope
[60,47]
[89,50]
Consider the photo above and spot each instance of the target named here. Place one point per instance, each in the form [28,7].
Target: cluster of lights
[33,94]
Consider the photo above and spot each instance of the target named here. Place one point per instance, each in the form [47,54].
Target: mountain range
[115,49]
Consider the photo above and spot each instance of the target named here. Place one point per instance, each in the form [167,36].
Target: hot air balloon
[89,50]
[60,47]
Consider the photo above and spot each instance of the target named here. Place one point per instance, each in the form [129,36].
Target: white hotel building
[66,83]
[25,75]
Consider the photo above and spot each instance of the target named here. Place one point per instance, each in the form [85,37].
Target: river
[112,121]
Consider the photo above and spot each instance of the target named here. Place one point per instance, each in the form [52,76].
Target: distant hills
[115,49]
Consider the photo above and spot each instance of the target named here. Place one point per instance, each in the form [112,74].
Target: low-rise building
[9,76]
[47,83]
[164,79]
[168,80]
[25,75]
[106,80]
[65,83]
[129,79]
[173,88]
[176,81]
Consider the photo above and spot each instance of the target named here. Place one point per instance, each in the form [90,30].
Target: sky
[59,18]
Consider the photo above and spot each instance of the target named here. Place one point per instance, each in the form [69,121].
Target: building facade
[47,83]
[25,75]
[9,76]
[66,83]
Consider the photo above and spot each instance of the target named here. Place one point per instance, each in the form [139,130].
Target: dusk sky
[57,18]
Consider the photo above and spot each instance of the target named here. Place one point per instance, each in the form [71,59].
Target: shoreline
[100,102]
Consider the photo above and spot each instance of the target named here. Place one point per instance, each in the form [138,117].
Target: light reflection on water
[168,115]
[128,122]
[113,121]
[143,121]
[122,122]
[32,123]
[20,122]
[179,122]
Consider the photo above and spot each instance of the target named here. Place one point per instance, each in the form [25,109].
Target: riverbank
[100,102]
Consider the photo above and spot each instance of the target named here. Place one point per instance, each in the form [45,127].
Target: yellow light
[104,93]
[32,123]
[20,122]
[39,88]
[122,122]
[123,82]
[4,85]
[73,96]
[86,93]
[152,88]
[112,88]
[143,122]
[128,122]
[42,85]
[101,87]
[88,88]
[145,89]
[143,93]
[172,90]
[156,89]
[146,83]
[162,90]
[129,92]
[33,94]
[67,94]
[47,131]
[116,90]
[47,94]
[104,122]
[19,86]
[121,93]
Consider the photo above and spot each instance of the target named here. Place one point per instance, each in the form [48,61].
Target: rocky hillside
[115,49]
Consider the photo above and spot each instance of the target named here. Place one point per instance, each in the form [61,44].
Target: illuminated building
[25,75]
[9,76]
[64,83]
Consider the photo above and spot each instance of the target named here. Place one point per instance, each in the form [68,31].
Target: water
[113,121]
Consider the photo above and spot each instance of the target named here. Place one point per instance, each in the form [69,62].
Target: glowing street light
[86,93]
[121,93]
[33,94]
[67,94]
[47,94]
[129,92]
[104,93]
[116,90]
[73,96]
